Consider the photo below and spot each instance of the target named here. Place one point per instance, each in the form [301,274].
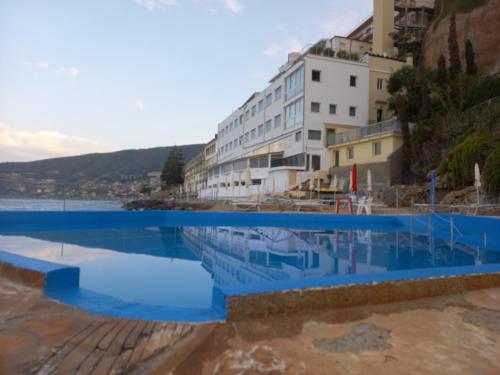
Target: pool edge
[262,305]
[37,273]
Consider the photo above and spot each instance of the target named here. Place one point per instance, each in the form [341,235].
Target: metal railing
[364,132]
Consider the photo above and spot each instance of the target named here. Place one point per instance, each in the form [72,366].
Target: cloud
[156,4]
[70,72]
[233,5]
[280,50]
[139,104]
[25,145]
[39,65]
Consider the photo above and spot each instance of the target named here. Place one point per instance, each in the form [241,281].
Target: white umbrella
[334,183]
[350,180]
[369,180]
[477,176]
[477,181]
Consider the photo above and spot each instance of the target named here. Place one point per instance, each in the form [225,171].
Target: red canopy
[354,178]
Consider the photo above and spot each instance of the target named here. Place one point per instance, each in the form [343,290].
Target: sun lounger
[307,204]
[245,204]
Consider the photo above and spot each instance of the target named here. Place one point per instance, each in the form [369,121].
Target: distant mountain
[113,175]
[92,166]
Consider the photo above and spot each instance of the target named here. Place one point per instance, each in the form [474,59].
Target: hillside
[477,20]
[113,174]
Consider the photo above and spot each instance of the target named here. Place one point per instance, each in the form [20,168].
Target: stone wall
[481,26]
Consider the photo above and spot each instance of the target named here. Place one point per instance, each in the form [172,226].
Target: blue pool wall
[56,276]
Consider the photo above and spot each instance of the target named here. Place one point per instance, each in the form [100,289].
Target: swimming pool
[181,266]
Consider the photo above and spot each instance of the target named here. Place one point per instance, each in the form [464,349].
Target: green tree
[406,80]
[442,73]
[173,169]
[470,59]
[454,51]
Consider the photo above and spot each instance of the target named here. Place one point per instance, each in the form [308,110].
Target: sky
[102,75]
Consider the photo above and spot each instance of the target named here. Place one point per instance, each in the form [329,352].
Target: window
[277,121]
[269,100]
[316,75]
[377,148]
[315,162]
[352,111]
[380,115]
[259,162]
[226,148]
[315,107]
[261,105]
[298,136]
[314,135]
[294,83]
[247,115]
[227,129]
[294,113]
[222,132]
[269,126]
[350,153]
[380,84]
[260,130]
[241,119]
[333,109]
[235,123]
[277,93]
[230,126]
[353,80]
[241,140]
[235,143]
[247,137]
[230,146]
[254,110]
[253,134]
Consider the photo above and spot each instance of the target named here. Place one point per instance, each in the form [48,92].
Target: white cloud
[70,72]
[24,145]
[280,50]
[233,5]
[156,4]
[39,65]
[139,104]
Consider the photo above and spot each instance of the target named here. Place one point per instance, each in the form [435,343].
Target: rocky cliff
[481,25]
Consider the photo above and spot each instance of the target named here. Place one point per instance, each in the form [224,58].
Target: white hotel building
[278,136]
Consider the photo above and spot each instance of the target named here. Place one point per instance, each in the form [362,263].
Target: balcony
[390,126]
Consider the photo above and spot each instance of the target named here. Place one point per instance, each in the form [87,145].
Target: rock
[465,196]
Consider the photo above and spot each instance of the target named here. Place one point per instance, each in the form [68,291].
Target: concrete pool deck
[453,334]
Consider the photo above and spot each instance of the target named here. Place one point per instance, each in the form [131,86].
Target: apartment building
[196,170]
[278,136]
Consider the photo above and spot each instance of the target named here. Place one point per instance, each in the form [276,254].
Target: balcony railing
[364,132]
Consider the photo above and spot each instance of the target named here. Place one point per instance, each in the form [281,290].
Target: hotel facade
[280,136]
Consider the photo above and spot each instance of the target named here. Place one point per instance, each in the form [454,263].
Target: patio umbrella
[354,178]
[477,180]
[334,183]
[369,180]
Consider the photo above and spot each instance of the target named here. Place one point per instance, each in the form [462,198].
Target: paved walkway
[38,336]
[457,334]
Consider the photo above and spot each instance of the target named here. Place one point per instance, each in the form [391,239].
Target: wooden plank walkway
[38,336]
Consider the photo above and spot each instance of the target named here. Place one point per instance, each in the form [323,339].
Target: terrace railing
[364,132]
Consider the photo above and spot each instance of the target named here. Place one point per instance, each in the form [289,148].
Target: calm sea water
[59,205]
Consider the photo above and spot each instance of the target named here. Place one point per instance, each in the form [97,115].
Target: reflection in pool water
[179,270]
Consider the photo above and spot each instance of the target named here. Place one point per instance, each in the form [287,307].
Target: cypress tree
[173,169]
[407,157]
[470,59]
[442,73]
[455,63]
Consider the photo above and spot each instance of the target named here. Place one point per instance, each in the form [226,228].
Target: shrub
[492,170]
[458,165]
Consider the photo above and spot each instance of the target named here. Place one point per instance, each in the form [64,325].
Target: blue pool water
[179,267]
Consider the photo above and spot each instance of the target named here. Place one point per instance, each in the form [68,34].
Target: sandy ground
[456,334]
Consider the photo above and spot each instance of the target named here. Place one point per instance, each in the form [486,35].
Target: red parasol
[354,178]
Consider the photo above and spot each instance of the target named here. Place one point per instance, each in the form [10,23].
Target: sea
[60,205]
